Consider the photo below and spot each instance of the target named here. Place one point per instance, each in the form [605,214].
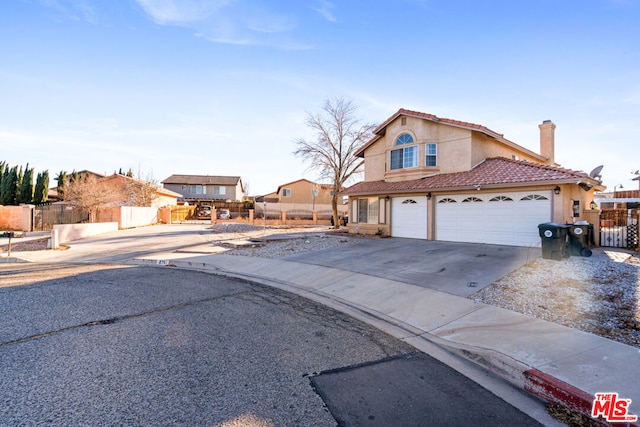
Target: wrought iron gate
[45,216]
[619,228]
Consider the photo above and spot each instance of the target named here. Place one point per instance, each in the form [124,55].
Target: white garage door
[497,218]
[409,217]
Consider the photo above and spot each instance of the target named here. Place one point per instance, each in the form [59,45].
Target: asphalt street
[123,345]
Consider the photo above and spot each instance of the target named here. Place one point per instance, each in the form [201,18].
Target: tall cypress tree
[62,181]
[3,186]
[9,181]
[3,167]
[17,185]
[26,186]
[41,193]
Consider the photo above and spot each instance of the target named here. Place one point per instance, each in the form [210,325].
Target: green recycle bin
[554,240]
[580,235]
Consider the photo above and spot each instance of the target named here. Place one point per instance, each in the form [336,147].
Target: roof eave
[497,186]
[380,131]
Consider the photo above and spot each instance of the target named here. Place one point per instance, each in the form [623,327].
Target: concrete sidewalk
[554,362]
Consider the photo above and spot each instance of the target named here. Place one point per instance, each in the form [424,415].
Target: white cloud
[181,12]
[266,22]
[237,22]
[324,9]
[75,10]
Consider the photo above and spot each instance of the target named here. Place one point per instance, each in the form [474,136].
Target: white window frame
[427,155]
[408,153]
[369,208]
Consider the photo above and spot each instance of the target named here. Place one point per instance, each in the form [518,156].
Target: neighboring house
[269,198]
[127,190]
[204,188]
[305,192]
[297,198]
[440,179]
[53,196]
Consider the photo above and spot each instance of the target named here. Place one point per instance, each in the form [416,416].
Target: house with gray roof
[206,188]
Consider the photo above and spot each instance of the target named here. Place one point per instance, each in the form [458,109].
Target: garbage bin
[580,235]
[554,240]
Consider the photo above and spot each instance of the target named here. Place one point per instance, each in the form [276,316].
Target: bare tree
[90,193]
[141,192]
[339,134]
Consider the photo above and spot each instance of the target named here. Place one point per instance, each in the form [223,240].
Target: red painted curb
[551,389]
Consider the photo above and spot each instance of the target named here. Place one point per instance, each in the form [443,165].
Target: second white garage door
[409,217]
[497,218]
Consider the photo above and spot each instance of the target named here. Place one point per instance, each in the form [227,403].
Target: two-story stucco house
[433,178]
[198,188]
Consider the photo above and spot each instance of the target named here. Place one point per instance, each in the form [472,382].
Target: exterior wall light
[593,205]
[386,198]
[428,196]
[556,190]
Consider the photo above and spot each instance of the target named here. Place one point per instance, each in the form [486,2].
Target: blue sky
[222,87]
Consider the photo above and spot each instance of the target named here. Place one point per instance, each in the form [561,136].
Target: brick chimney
[547,140]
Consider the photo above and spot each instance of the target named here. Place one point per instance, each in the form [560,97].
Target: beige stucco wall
[165,200]
[458,150]
[485,147]
[239,193]
[563,204]
[302,193]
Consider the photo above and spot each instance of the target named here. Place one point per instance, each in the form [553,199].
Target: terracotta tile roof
[434,118]
[494,172]
[380,130]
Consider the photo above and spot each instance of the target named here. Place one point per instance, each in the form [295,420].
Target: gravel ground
[280,248]
[597,295]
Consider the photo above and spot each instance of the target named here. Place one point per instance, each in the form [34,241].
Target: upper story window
[195,189]
[431,151]
[286,192]
[404,157]
[220,190]
[405,138]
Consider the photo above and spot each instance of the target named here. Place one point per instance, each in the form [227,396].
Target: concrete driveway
[457,268]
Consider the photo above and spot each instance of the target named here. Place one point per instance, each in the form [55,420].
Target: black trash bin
[580,234]
[554,240]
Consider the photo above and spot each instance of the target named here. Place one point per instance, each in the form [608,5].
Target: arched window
[501,199]
[447,200]
[405,157]
[472,200]
[405,138]
[534,197]
[409,202]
